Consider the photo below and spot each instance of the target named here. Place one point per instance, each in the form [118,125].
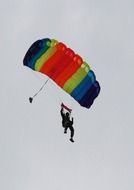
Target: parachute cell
[66,68]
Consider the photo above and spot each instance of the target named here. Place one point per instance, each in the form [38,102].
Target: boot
[71,140]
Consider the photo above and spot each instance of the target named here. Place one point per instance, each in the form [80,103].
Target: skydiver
[67,123]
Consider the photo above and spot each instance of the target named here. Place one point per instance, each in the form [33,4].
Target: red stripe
[50,65]
[66,60]
[69,70]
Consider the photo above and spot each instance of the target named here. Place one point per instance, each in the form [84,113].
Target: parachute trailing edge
[66,68]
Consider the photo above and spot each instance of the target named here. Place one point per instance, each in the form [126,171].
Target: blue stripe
[91,94]
[84,86]
[41,49]
[35,51]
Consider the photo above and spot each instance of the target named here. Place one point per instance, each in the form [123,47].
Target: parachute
[66,68]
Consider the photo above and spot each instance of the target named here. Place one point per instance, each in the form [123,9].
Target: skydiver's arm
[62,112]
[72,120]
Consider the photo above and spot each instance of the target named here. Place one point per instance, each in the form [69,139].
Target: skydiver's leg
[72,133]
[65,130]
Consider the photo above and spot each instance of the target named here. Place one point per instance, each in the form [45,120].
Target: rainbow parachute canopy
[66,68]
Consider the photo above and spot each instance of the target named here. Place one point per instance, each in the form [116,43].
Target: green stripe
[76,78]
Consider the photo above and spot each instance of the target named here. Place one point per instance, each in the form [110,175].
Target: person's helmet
[67,114]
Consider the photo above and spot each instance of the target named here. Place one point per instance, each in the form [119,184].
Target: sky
[34,151]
